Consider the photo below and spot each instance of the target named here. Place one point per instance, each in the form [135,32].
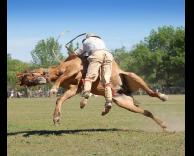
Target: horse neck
[52,73]
[71,57]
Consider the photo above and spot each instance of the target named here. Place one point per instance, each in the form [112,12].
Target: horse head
[43,76]
[32,78]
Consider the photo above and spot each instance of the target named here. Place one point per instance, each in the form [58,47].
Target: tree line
[159,58]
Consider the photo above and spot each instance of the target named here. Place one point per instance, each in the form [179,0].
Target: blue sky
[118,22]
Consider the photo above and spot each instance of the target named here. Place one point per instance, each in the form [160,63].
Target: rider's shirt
[90,45]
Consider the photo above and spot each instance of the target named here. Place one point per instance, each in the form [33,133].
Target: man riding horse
[69,74]
[98,57]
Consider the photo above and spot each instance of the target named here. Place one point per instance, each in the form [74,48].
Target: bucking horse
[70,73]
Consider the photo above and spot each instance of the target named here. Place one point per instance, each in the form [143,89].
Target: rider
[98,57]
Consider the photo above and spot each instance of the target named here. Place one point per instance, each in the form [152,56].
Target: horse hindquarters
[127,102]
[134,83]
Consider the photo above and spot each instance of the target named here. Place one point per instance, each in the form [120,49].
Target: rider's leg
[106,75]
[91,76]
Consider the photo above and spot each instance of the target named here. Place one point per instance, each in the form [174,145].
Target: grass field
[86,133]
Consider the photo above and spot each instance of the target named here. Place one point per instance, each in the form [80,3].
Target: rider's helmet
[92,35]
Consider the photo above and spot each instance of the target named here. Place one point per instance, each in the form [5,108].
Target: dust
[175,124]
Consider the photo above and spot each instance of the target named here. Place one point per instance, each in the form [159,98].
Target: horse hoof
[53,92]
[165,130]
[163,97]
[56,120]
[163,125]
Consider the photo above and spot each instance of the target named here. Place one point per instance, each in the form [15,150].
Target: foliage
[122,57]
[72,47]
[14,66]
[160,58]
[46,53]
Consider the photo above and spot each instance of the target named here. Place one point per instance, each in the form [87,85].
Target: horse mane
[71,57]
[53,66]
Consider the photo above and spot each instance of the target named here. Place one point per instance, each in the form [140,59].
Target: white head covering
[91,35]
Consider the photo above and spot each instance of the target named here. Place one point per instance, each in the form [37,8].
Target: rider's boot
[108,97]
[86,93]
[84,100]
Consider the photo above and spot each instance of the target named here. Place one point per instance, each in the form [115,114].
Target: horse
[69,75]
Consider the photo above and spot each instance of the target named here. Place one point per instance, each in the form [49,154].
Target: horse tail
[133,83]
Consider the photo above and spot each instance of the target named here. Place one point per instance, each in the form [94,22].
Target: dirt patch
[176,125]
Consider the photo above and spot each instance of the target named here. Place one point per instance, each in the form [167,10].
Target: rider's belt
[92,51]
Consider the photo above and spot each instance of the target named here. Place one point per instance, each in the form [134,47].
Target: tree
[46,53]
[122,57]
[72,48]
[161,56]
[14,66]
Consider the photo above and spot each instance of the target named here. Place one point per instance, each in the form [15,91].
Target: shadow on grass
[61,132]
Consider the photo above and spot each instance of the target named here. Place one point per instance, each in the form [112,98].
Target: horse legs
[127,102]
[159,95]
[142,84]
[68,94]
[62,78]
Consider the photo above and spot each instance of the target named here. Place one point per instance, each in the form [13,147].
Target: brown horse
[69,75]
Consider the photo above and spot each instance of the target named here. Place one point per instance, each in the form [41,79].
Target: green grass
[86,133]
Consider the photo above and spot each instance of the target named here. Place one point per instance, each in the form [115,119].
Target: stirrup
[163,97]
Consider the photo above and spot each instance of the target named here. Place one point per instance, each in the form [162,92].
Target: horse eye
[45,73]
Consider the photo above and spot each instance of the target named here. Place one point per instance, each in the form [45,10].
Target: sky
[118,22]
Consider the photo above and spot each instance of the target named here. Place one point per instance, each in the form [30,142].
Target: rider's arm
[78,51]
[81,52]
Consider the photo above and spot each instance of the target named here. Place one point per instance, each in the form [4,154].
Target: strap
[75,38]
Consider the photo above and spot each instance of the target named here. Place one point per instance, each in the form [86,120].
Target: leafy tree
[122,57]
[14,66]
[72,47]
[161,56]
[46,53]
